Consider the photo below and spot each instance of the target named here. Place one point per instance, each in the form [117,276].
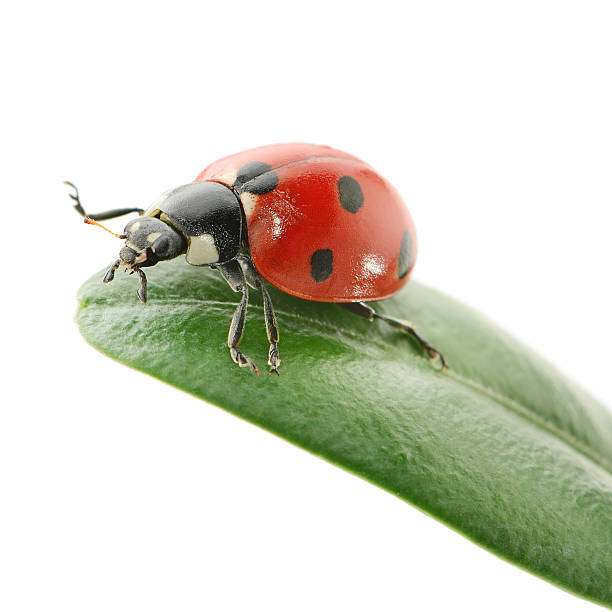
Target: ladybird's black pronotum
[313,221]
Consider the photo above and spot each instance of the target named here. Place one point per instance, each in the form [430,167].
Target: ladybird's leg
[107,214]
[271,330]
[110,273]
[256,281]
[250,273]
[233,274]
[364,310]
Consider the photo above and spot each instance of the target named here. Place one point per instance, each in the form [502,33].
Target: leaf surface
[501,447]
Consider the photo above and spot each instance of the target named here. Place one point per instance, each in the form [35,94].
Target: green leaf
[501,447]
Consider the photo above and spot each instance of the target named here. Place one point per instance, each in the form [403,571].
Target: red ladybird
[313,221]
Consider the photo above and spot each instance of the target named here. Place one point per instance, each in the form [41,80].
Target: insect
[312,221]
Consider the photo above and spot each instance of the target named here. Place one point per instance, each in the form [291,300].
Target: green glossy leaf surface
[501,447]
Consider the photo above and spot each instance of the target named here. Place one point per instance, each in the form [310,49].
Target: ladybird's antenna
[92,222]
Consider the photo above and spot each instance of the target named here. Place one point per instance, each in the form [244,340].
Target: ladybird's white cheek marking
[153,236]
[202,250]
[135,226]
[249,201]
[132,246]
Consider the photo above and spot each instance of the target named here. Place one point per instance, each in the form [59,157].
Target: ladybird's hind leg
[364,310]
[257,282]
[107,214]
[233,274]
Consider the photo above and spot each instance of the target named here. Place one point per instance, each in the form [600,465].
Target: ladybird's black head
[148,240]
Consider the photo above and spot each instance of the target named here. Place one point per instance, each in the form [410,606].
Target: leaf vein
[501,399]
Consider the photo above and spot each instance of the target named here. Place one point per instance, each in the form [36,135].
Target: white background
[121,493]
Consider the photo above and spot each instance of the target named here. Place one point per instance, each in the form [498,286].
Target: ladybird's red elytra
[314,222]
[319,199]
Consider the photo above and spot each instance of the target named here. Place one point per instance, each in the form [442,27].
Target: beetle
[313,221]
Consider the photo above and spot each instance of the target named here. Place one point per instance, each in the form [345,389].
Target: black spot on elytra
[250,171]
[256,177]
[262,184]
[351,195]
[404,259]
[321,264]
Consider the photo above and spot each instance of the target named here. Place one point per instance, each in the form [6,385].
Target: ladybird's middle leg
[233,274]
[271,330]
[257,282]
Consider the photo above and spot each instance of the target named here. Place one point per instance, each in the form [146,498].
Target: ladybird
[314,222]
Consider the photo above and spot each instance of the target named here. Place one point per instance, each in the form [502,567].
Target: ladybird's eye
[160,246]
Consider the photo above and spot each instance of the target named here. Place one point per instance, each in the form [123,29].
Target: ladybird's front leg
[233,274]
[101,216]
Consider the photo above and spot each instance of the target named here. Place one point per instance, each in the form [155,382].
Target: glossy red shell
[303,215]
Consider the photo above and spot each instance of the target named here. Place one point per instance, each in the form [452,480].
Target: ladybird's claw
[77,198]
[75,195]
[110,273]
[273,359]
[434,355]
[242,360]
[142,290]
